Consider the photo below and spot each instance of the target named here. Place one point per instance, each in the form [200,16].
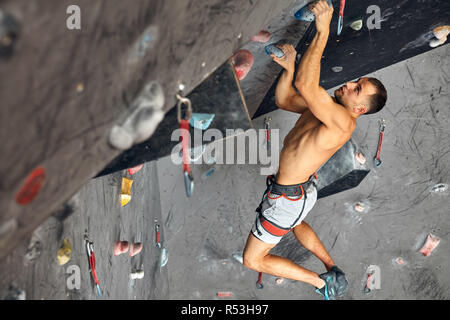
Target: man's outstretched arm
[331,114]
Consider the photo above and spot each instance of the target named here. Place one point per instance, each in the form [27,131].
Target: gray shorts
[280,212]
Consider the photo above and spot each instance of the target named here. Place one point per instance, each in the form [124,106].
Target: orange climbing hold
[441,34]
[243,62]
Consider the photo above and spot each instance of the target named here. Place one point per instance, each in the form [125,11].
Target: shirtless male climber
[325,125]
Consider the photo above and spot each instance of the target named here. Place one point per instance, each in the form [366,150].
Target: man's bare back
[306,148]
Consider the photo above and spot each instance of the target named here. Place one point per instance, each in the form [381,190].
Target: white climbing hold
[356,25]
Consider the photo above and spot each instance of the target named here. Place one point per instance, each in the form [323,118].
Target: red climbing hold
[135,249]
[31,187]
[121,247]
[134,170]
[243,62]
[263,36]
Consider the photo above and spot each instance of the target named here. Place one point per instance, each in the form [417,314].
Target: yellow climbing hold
[65,252]
[124,199]
[125,195]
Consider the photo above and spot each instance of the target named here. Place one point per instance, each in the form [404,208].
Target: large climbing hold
[242,62]
[441,34]
[341,172]
[145,115]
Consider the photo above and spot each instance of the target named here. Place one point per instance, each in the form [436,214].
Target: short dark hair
[378,100]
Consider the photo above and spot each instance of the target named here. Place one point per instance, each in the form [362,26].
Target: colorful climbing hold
[134,170]
[360,158]
[430,244]
[357,25]
[359,207]
[125,195]
[31,187]
[201,121]
[263,36]
[135,249]
[441,34]
[64,253]
[304,14]
[243,62]
[124,199]
[273,49]
[120,247]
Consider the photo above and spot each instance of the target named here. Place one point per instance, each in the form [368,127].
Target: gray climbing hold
[146,114]
[337,69]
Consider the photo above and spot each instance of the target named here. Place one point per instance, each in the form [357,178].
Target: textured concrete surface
[201,233]
[204,231]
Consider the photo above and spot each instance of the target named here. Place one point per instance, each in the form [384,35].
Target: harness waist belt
[288,190]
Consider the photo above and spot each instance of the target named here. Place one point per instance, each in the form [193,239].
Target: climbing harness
[91,256]
[341,17]
[286,192]
[376,160]
[185,142]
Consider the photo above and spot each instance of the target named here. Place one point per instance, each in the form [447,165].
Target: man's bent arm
[286,97]
[308,74]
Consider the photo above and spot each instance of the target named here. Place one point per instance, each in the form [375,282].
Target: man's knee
[252,262]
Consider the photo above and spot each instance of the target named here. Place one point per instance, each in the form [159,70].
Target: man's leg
[309,239]
[257,257]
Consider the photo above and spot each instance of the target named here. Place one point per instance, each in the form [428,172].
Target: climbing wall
[66,88]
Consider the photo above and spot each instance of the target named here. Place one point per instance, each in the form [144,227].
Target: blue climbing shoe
[341,281]
[328,291]
[336,284]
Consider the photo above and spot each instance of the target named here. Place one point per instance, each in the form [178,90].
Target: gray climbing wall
[33,265]
[65,89]
[202,233]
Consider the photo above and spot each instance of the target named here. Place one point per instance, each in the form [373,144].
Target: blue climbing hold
[304,14]
[201,121]
[273,49]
